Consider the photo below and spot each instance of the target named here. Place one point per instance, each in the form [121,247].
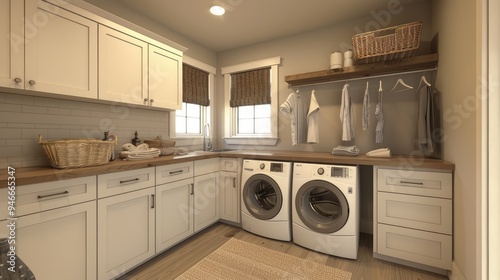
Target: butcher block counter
[32,175]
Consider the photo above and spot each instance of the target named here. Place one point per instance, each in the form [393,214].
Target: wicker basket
[386,44]
[158,142]
[78,152]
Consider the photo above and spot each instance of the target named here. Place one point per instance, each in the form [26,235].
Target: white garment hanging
[365,121]
[379,114]
[346,115]
[312,121]
[295,109]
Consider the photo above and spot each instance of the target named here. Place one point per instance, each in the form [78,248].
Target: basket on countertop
[389,43]
[158,142]
[75,153]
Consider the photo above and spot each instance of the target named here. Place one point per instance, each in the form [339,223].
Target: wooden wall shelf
[371,70]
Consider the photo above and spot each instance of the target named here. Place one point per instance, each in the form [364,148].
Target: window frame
[231,136]
[196,139]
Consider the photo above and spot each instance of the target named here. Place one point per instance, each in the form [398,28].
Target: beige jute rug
[238,259]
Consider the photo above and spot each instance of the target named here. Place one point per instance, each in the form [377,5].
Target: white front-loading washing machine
[266,197]
[325,208]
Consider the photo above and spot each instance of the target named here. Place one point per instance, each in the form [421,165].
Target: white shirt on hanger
[312,121]
[295,109]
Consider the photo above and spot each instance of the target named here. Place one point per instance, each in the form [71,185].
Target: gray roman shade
[194,86]
[251,88]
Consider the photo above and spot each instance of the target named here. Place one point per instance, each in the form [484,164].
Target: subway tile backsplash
[24,117]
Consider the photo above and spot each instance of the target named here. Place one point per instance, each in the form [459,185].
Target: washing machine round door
[322,206]
[262,197]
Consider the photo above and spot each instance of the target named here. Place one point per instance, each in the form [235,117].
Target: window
[247,121]
[189,119]
[187,125]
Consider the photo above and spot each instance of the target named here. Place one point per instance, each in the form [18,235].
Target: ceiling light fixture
[217,10]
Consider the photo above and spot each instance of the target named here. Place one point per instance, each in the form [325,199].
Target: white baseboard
[455,273]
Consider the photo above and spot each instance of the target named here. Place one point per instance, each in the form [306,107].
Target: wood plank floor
[180,258]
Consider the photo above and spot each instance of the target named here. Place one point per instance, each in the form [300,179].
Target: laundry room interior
[392,150]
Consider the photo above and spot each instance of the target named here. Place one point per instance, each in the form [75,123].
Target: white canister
[336,60]
[348,54]
[347,62]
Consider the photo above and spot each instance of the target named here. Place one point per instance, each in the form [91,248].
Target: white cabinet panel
[229,164]
[174,213]
[206,207]
[46,196]
[205,166]
[59,244]
[229,196]
[425,213]
[126,231]
[12,51]
[61,51]
[120,182]
[123,63]
[435,184]
[165,79]
[417,246]
[174,172]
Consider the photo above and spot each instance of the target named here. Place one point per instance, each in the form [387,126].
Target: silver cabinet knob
[18,80]
[32,82]
[146,99]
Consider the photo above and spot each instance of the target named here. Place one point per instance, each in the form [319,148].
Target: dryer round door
[262,197]
[321,206]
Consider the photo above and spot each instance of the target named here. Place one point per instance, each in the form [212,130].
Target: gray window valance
[195,86]
[251,88]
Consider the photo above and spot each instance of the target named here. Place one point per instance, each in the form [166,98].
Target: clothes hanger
[400,81]
[423,80]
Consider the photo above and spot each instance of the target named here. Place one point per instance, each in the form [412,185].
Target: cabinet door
[174,213]
[61,51]
[229,202]
[125,232]
[165,79]
[58,244]
[12,50]
[122,67]
[206,207]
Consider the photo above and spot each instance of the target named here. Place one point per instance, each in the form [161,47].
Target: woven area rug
[238,259]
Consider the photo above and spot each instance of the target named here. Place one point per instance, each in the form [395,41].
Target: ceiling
[248,22]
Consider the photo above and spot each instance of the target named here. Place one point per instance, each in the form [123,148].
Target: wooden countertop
[32,175]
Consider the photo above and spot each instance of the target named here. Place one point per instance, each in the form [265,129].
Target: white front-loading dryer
[266,197]
[325,208]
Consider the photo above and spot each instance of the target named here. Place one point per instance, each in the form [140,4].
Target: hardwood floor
[181,257]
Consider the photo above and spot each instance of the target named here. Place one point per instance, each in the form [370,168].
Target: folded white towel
[345,151]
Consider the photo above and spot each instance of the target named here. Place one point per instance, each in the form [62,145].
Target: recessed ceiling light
[217,10]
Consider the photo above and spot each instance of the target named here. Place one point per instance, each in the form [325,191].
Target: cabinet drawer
[435,184]
[229,164]
[126,181]
[45,196]
[418,212]
[174,172]
[422,247]
[206,166]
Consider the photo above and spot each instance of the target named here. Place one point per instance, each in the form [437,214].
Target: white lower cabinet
[58,244]
[206,207]
[126,231]
[229,189]
[413,217]
[174,213]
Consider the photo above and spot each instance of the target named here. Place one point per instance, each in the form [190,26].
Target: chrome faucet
[207,142]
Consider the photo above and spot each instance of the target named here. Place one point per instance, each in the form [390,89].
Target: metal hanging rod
[369,77]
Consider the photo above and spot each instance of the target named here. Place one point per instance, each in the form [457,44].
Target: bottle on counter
[136,141]
[108,137]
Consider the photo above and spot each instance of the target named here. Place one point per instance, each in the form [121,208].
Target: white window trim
[230,135]
[195,139]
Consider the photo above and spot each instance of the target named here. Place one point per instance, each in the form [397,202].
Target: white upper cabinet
[60,51]
[123,67]
[12,51]
[165,79]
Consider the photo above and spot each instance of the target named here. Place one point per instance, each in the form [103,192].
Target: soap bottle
[136,141]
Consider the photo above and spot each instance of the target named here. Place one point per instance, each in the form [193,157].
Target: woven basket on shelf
[77,152]
[389,43]
[158,142]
